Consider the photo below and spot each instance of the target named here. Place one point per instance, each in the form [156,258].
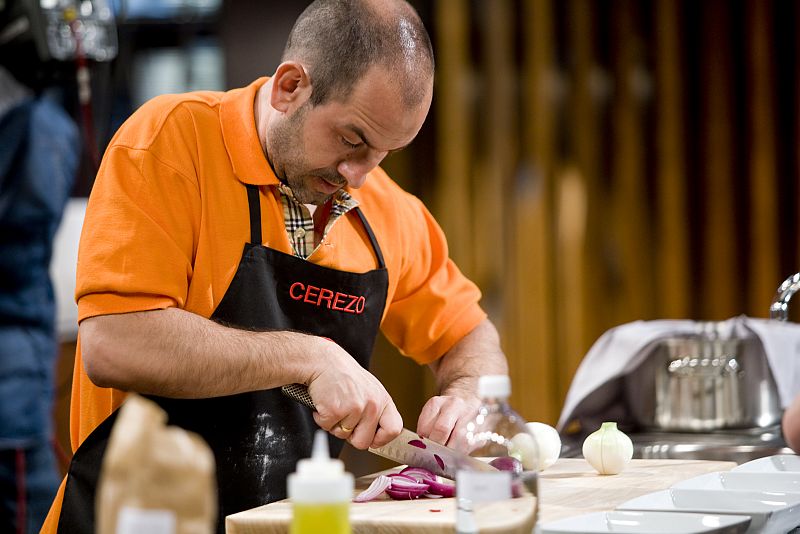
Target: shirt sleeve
[434,305]
[139,236]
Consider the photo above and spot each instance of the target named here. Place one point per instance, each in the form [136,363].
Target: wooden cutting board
[427,516]
[570,487]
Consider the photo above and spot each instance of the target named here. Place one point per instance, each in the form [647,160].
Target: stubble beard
[285,143]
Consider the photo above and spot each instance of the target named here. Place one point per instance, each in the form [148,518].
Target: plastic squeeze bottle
[320,491]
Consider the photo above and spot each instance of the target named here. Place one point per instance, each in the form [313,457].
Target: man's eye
[348,144]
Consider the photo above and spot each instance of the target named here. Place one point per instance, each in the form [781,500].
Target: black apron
[256,437]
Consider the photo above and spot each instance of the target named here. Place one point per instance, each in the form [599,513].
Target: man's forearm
[478,353]
[176,353]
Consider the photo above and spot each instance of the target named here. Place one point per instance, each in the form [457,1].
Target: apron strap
[80,492]
[255,213]
[372,239]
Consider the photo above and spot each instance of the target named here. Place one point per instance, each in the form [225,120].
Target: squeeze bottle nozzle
[320,479]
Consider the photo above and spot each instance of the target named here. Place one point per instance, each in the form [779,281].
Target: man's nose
[357,166]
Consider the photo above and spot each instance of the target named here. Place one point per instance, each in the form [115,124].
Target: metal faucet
[780,304]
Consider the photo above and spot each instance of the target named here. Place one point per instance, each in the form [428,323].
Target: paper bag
[155,478]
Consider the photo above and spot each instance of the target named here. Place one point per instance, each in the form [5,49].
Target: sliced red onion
[507,463]
[441,488]
[410,483]
[403,476]
[400,495]
[419,473]
[403,484]
[374,490]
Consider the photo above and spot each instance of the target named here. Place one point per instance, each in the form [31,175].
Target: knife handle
[299,392]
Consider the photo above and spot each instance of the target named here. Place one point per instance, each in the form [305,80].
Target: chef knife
[409,447]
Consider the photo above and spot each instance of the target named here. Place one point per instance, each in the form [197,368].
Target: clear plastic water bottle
[498,435]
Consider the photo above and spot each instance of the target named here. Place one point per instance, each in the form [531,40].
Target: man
[238,242]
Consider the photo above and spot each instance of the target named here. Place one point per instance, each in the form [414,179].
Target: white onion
[548,441]
[608,449]
[523,448]
[538,448]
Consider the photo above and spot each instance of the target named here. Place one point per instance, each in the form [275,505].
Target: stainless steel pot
[703,382]
[707,382]
[699,389]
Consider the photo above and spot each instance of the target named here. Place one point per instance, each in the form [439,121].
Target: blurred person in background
[39,152]
[237,242]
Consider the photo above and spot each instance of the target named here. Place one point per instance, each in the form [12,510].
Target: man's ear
[291,87]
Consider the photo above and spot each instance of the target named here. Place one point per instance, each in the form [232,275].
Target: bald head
[338,41]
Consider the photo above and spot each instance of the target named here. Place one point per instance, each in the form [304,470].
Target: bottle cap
[494,386]
[320,479]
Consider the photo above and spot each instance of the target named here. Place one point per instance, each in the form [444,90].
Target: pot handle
[780,304]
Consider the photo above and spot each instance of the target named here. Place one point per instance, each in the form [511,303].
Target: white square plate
[771,512]
[785,482]
[647,523]
[770,464]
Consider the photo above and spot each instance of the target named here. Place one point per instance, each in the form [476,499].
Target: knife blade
[408,447]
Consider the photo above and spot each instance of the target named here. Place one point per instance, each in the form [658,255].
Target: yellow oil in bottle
[318,517]
[320,491]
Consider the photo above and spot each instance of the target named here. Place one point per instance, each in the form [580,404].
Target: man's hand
[444,419]
[351,403]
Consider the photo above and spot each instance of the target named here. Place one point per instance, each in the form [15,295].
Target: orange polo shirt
[168,217]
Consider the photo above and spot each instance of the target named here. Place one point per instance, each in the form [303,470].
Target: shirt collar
[340,198]
[238,123]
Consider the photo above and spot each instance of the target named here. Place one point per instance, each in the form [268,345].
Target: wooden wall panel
[630,213]
[579,282]
[796,141]
[496,158]
[529,289]
[571,302]
[454,105]
[719,266]
[575,211]
[672,212]
[454,111]
[763,181]
[494,176]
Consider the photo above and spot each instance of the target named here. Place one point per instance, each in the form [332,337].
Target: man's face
[320,149]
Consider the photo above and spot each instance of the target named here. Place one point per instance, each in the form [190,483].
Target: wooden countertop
[570,487]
